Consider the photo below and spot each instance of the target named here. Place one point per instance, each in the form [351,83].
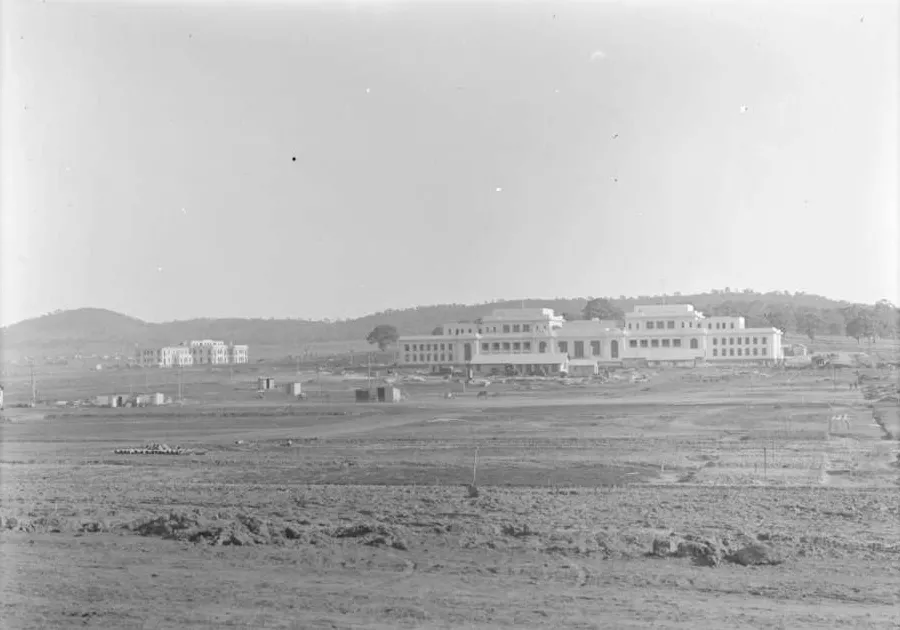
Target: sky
[290,159]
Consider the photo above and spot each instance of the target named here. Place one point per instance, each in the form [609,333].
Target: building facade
[536,341]
[202,352]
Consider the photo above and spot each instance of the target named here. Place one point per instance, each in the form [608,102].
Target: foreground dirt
[588,515]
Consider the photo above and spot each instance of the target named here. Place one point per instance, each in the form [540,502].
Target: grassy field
[338,515]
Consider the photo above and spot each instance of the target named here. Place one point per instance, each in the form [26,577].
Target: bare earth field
[676,503]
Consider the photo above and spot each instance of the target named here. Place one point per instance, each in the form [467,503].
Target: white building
[167,356]
[201,352]
[536,341]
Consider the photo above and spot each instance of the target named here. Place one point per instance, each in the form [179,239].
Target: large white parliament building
[536,341]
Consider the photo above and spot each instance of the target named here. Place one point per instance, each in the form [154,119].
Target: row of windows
[670,324]
[746,340]
[427,358]
[657,343]
[416,347]
[506,345]
[756,352]
[506,328]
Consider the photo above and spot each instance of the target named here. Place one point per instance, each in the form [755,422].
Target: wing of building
[536,341]
[199,352]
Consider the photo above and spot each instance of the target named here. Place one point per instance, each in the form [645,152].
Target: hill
[98,331]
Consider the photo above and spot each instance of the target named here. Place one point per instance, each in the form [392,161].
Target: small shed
[363,395]
[266,383]
[293,389]
[388,393]
[157,399]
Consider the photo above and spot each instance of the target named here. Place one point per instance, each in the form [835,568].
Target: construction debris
[154,449]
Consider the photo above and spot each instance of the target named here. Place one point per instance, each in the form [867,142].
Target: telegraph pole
[33,385]
[180,381]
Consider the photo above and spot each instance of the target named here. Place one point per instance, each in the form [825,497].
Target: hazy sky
[452,152]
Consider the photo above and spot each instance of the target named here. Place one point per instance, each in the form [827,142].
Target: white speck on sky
[598,55]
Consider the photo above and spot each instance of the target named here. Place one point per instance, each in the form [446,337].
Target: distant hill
[99,331]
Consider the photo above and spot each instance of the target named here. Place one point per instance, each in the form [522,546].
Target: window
[660,325]
[516,327]
[506,328]
[739,340]
[715,352]
[746,341]
[715,341]
[579,349]
[442,356]
[406,347]
[654,343]
[526,346]
[517,346]
[429,357]
[670,324]
[495,346]
[732,324]
[542,347]
[682,324]
[595,348]
[632,343]
[755,351]
[526,327]
[755,340]
[731,341]
[691,325]
[470,331]
[666,343]
[629,325]
[415,347]
[649,325]
[485,347]
[413,358]
[762,350]
[731,351]
[739,351]
[479,331]
[563,346]
[694,344]
[764,340]
[676,343]
[643,343]
[506,345]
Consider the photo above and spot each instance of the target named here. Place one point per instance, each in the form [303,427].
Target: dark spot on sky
[293,159]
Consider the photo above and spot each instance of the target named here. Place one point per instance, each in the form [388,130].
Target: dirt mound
[372,535]
[174,526]
[755,555]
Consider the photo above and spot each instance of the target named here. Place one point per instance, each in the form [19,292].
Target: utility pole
[33,385]
[369,372]
[180,381]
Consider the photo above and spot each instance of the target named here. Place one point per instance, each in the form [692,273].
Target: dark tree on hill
[383,335]
[780,318]
[602,308]
[437,330]
[809,322]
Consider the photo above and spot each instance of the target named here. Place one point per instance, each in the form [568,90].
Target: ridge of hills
[101,331]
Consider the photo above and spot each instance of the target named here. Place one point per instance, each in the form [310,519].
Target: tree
[601,308]
[383,335]
[809,322]
[437,330]
[781,318]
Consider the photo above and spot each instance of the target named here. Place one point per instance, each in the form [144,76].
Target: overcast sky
[287,159]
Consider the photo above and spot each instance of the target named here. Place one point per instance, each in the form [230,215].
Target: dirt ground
[675,503]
